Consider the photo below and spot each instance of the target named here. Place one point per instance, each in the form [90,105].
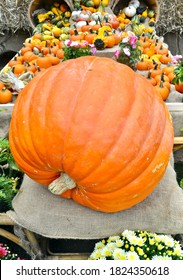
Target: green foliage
[178,71]
[7,164]
[181,183]
[74,49]
[10,176]
[8,189]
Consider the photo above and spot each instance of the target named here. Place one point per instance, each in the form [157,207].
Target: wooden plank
[6,220]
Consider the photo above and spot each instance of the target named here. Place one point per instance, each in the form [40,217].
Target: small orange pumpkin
[2,85]
[150,79]
[6,96]
[161,77]
[142,65]
[162,90]
[43,62]
[179,87]
[101,152]
[90,37]
[165,59]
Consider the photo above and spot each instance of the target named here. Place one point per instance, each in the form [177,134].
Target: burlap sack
[36,209]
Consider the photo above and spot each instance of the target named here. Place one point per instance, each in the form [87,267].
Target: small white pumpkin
[93,22]
[130,11]
[96,16]
[81,23]
[134,3]
[75,15]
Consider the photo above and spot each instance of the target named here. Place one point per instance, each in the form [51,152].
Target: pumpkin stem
[62,184]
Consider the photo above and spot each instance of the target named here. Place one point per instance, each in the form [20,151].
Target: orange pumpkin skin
[112,134]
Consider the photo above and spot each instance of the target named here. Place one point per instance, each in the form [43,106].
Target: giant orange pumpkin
[98,127]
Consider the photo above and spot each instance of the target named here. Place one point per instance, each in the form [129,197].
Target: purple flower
[116,54]
[70,43]
[126,51]
[176,58]
[93,50]
[133,40]
[85,43]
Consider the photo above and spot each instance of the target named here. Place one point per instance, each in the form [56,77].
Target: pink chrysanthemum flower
[3,251]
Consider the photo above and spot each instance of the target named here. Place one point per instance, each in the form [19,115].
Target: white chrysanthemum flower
[160,247]
[151,241]
[178,251]
[96,255]
[140,241]
[111,246]
[119,254]
[161,258]
[168,241]
[106,252]
[159,237]
[127,233]
[99,245]
[132,256]
[134,240]
[113,238]
[119,243]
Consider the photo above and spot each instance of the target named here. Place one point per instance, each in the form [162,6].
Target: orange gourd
[110,41]
[90,37]
[29,56]
[161,50]
[13,62]
[2,85]
[161,77]
[25,49]
[142,65]
[60,53]
[86,28]
[6,96]
[168,69]
[105,143]
[179,87]
[156,71]
[162,90]
[18,69]
[165,59]
[53,58]
[151,79]
[43,62]
[171,76]
[117,38]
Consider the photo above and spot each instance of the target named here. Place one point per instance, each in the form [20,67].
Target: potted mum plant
[128,52]
[138,245]
[73,49]
[178,80]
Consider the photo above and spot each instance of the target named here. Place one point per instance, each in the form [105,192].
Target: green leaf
[181,183]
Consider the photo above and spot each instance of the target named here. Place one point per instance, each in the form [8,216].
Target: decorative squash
[104,142]
[130,11]
[6,96]
[162,90]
